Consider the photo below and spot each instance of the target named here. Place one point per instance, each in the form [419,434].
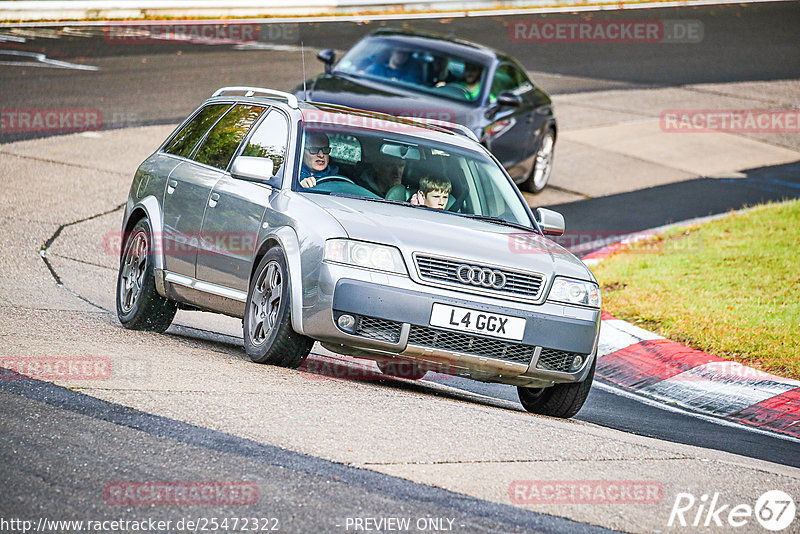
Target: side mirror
[252,168]
[327,56]
[551,222]
[507,98]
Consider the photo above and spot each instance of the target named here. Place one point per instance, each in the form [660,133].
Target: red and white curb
[647,364]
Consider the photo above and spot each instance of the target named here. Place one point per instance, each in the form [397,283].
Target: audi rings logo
[481,276]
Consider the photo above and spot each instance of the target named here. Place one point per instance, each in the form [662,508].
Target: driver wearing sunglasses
[316,159]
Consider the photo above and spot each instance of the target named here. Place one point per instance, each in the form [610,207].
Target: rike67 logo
[774,510]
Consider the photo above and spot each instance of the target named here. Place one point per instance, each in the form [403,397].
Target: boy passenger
[433,192]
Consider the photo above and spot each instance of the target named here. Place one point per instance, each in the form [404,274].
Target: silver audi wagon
[391,239]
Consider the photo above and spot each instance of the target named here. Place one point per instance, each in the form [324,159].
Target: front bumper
[393,319]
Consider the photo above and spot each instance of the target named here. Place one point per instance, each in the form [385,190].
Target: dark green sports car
[427,76]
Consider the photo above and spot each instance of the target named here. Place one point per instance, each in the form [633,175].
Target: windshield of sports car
[420,69]
[392,166]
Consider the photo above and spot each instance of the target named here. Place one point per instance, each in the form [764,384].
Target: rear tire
[267,325]
[559,400]
[542,163]
[139,306]
[401,369]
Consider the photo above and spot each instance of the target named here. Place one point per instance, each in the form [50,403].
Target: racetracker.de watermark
[320,367]
[424,113]
[60,120]
[190,243]
[606,31]
[331,121]
[180,493]
[578,242]
[55,368]
[155,33]
[586,492]
[731,120]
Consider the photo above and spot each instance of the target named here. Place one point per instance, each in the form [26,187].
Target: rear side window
[507,78]
[269,141]
[185,140]
[218,147]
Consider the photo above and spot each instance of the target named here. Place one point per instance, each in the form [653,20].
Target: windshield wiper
[499,220]
[373,199]
[347,73]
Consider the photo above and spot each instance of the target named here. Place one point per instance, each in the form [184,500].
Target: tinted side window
[523,83]
[222,141]
[508,78]
[269,141]
[503,80]
[185,140]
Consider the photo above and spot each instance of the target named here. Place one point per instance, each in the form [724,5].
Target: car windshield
[393,166]
[420,69]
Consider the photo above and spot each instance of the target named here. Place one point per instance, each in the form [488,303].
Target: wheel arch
[551,124]
[287,240]
[150,208]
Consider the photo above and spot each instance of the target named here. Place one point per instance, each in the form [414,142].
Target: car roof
[323,113]
[442,43]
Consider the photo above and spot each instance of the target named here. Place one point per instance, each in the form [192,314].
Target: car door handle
[171,185]
[212,201]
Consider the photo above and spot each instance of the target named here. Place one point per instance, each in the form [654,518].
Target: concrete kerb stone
[647,364]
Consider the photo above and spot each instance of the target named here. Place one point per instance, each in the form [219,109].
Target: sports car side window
[185,140]
[221,143]
[509,78]
[269,141]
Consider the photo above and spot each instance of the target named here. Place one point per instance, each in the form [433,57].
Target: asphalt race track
[324,451]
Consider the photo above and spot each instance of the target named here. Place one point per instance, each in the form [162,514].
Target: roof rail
[251,91]
[453,127]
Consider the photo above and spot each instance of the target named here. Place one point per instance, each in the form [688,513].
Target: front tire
[139,306]
[559,400]
[268,334]
[542,163]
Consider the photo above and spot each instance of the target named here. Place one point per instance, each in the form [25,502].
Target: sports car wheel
[543,163]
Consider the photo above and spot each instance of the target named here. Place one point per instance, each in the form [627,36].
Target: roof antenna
[303,56]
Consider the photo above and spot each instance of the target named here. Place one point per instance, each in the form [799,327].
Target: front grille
[556,360]
[480,346]
[444,270]
[378,329]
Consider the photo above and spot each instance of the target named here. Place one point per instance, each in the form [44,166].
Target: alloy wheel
[134,265]
[265,303]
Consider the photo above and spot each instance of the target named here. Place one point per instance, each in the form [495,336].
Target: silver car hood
[443,234]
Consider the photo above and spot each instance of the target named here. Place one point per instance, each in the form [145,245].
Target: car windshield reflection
[419,69]
[407,170]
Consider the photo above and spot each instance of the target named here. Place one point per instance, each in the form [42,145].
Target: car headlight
[575,292]
[366,255]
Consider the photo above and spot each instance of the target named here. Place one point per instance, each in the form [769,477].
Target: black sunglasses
[316,149]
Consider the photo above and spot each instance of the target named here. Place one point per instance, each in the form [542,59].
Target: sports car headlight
[575,292]
[366,255]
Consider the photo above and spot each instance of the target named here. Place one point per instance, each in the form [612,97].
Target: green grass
[730,287]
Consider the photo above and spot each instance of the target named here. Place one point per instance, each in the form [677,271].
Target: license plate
[477,322]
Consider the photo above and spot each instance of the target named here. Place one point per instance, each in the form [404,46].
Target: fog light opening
[346,322]
[577,361]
